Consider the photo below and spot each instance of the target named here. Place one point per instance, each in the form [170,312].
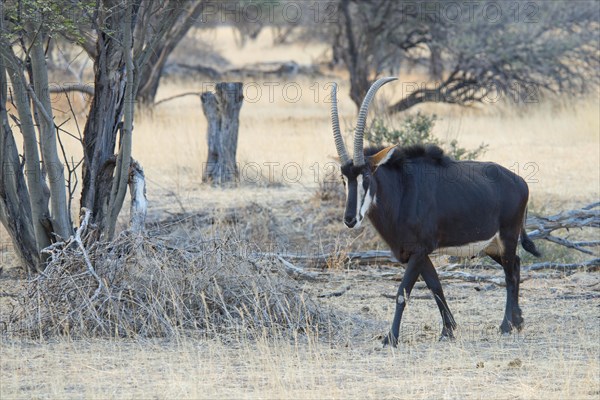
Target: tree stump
[222,111]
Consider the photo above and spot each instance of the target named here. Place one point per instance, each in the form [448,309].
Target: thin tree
[33,204]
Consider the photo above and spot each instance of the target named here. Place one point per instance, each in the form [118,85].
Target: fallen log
[323,259]
[590,265]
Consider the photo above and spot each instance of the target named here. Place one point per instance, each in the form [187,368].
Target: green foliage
[46,16]
[417,129]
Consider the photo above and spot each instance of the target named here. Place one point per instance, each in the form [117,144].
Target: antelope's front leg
[408,281]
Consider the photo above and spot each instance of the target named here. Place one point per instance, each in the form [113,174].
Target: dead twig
[177,96]
[77,239]
[297,272]
[336,293]
[590,265]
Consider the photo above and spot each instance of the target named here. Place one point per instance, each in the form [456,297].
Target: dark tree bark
[436,66]
[222,111]
[106,111]
[211,112]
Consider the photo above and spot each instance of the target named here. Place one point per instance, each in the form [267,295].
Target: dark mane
[429,152]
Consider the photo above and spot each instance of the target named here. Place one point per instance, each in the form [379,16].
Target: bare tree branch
[74,87]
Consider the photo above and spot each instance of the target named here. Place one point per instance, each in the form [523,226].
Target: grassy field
[557,355]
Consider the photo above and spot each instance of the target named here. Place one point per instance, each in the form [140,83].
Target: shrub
[417,129]
[148,287]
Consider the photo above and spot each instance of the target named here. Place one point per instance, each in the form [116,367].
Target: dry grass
[556,356]
[145,287]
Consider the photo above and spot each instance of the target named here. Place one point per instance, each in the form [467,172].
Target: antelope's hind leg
[511,264]
[432,280]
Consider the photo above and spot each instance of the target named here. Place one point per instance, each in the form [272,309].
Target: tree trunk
[61,220]
[106,112]
[176,26]
[358,74]
[15,207]
[436,67]
[222,111]
[150,75]
[35,182]
[211,112]
[121,176]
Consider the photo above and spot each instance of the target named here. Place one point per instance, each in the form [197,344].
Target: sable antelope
[422,202]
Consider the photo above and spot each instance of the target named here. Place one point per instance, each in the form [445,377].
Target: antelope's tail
[526,242]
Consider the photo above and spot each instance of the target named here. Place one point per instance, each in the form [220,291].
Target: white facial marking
[365,205]
[360,193]
[363,201]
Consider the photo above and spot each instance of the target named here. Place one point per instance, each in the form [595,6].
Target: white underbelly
[490,246]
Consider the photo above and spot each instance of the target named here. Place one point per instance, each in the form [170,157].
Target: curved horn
[359,157]
[337,135]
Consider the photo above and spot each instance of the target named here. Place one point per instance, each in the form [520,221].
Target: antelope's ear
[381,157]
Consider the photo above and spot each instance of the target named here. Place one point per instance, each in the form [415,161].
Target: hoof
[506,327]
[390,340]
[518,323]
[447,335]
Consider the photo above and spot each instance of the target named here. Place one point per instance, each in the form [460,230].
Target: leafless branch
[177,96]
[73,87]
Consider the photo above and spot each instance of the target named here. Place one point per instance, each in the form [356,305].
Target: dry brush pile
[147,286]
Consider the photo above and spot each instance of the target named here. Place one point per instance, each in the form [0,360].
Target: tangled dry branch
[139,286]
[586,217]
